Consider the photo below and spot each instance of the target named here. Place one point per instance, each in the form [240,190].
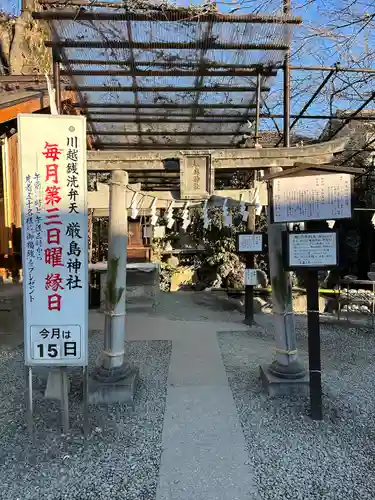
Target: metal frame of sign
[286,256]
[263,235]
[271,208]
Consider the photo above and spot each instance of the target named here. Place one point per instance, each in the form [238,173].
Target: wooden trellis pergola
[155,77]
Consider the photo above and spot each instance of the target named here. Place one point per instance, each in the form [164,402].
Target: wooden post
[286,86]
[249,290]
[257,111]
[313,327]
[56,80]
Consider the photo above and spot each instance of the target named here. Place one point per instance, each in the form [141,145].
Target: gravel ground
[122,457]
[191,306]
[294,457]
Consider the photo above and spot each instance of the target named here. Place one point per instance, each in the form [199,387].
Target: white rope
[113,354]
[113,314]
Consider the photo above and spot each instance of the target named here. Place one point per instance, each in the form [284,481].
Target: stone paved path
[204,453]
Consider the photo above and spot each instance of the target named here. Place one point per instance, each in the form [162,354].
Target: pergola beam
[211,118]
[262,68]
[337,68]
[174,64]
[116,88]
[99,105]
[161,133]
[122,44]
[100,145]
[164,15]
[163,119]
[172,72]
[179,64]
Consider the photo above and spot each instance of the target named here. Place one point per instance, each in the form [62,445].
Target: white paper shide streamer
[331,223]
[227,219]
[258,206]
[373,220]
[244,212]
[206,220]
[169,215]
[154,217]
[133,206]
[186,217]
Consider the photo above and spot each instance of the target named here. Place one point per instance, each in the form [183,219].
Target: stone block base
[276,386]
[54,385]
[122,391]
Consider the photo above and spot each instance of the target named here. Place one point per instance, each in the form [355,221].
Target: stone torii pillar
[285,375]
[114,379]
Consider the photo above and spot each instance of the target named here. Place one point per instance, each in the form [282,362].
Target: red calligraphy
[51,173]
[51,152]
[53,236]
[54,218]
[49,223]
[53,256]
[52,196]
[54,282]
[54,302]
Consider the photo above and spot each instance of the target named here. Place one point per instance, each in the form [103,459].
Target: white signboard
[52,152]
[312,197]
[250,242]
[312,249]
[251,277]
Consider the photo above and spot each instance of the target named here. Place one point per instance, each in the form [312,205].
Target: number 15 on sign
[56,344]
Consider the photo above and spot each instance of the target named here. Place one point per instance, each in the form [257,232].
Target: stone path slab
[204,454]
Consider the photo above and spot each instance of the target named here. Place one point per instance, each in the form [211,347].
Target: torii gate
[120,163]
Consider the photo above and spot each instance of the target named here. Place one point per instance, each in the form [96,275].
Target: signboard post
[52,152]
[312,251]
[249,243]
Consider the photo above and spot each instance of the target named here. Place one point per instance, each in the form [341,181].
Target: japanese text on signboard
[54,255]
[54,238]
[313,197]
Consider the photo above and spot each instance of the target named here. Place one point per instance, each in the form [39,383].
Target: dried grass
[36,34]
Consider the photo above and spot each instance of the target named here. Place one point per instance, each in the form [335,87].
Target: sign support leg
[313,327]
[64,399]
[29,400]
[85,404]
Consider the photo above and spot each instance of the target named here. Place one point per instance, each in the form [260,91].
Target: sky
[10,6]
